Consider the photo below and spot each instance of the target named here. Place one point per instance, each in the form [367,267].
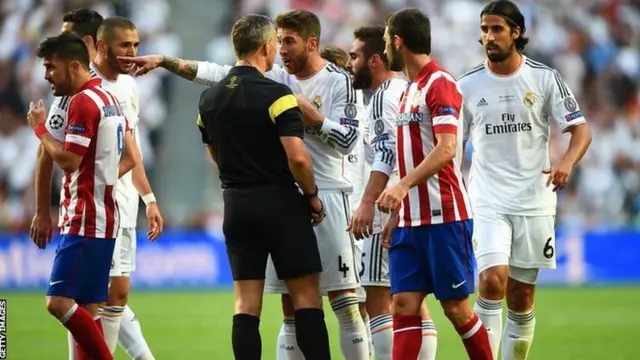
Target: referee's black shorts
[269,220]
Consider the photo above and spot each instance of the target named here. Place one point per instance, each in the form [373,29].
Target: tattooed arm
[201,72]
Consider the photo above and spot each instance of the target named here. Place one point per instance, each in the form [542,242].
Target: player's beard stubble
[362,78]
[395,60]
[61,88]
[495,54]
[116,65]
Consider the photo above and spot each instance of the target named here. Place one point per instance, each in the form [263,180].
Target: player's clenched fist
[391,198]
[559,175]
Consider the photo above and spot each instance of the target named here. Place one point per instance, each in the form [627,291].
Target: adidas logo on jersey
[482,102]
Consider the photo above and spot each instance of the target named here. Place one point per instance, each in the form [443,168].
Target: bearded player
[119,324]
[370,69]
[97,150]
[510,102]
[431,250]
[328,102]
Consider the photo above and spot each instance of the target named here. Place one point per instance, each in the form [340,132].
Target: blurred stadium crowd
[595,45]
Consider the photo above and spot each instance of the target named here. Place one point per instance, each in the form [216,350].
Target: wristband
[313,194]
[149,198]
[40,130]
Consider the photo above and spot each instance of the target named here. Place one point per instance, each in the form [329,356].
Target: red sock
[89,340]
[99,323]
[476,339]
[407,337]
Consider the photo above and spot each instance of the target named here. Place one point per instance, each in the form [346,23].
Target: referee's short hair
[250,32]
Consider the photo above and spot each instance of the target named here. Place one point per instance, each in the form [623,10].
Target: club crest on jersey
[570,104]
[417,97]
[529,99]
[351,111]
[317,102]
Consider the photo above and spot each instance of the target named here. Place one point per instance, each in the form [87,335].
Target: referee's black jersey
[243,117]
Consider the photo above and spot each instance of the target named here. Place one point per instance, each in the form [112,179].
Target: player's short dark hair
[513,17]
[335,55]
[85,22]
[66,47]
[414,27]
[373,39]
[110,25]
[249,33]
[305,23]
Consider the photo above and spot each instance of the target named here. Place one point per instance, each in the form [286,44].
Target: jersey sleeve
[84,117]
[444,102]
[340,128]
[203,131]
[286,115]
[384,110]
[467,120]
[561,103]
[57,117]
[209,73]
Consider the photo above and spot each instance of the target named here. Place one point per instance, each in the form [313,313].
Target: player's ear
[374,60]
[397,42]
[312,44]
[74,66]
[88,40]
[101,46]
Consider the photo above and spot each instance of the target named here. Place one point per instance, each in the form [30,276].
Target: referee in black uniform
[253,129]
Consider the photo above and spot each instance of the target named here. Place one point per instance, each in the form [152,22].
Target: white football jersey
[508,120]
[125,91]
[354,162]
[380,129]
[330,90]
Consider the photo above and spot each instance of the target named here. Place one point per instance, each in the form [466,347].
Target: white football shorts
[339,270]
[124,253]
[527,242]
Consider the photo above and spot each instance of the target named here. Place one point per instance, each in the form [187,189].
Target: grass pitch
[572,323]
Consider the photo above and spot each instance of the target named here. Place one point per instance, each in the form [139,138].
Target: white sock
[110,317]
[71,343]
[367,326]
[130,337]
[382,336]
[429,341]
[353,335]
[518,335]
[490,312]
[287,347]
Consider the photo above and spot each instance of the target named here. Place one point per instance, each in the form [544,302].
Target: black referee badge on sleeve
[350,111]
[570,104]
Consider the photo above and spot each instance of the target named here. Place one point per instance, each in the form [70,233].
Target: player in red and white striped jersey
[97,150]
[431,251]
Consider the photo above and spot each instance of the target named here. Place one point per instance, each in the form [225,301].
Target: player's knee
[58,306]
[302,295]
[493,282]
[118,292]
[520,295]
[407,303]
[250,305]
[457,311]
[378,300]
[363,309]
[424,311]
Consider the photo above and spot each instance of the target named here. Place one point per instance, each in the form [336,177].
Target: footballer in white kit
[124,88]
[510,102]
[328,102]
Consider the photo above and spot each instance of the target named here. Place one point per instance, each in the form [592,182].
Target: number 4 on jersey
[343,267]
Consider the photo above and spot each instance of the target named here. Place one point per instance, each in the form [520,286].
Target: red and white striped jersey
[95,130]
[431,105]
